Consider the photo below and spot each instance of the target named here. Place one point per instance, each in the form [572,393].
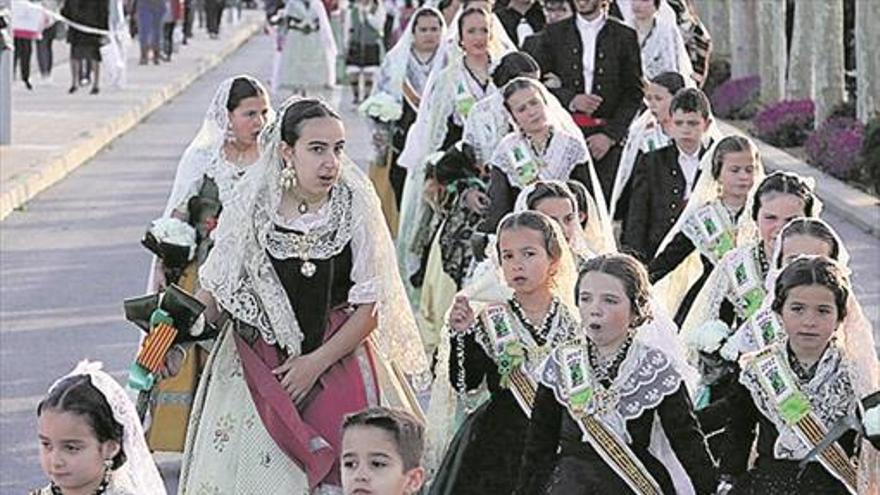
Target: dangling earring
[108,471]
[288,176]
[230,134]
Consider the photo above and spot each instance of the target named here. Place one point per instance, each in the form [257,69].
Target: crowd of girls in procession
[556,276]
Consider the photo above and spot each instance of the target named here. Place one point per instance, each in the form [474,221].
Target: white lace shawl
[664,51]
[561,156]
[139,474]
[486,124]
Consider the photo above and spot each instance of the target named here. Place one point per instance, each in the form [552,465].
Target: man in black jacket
[663,179]
[597,59]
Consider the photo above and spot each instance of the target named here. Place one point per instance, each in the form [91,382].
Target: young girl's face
[562,211]
[803,245]
[606,311]
[475,34]
[643,9]
[372,465]
[809,315]
[737,173]
[777,209]
[528,109]
[426,35]
[248,119]
[658,98]
[526,264]
[70,453]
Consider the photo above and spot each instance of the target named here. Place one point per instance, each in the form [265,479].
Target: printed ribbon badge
[748,285]
[464,101]
[777,381]
[575,374]
[524,165]
[509,350]
[718,234]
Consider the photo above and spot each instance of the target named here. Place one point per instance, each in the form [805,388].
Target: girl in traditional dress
[91,439]
[545,145]
[366,20]
[605,404]
[735,290]
[650,131]
[222,153]
[308,57]
[711,225]
[395,99]
[500,343]
[449,96]
[315,323]
[796,389]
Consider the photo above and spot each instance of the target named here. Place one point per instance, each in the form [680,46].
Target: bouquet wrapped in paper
[382,107]
[174,242]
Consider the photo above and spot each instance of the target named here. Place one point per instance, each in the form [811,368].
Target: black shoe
[28,85]
[72,90]
[94,91]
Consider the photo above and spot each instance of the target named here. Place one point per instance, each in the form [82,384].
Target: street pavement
[69,258]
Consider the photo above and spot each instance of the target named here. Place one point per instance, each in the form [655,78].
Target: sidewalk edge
[33,182]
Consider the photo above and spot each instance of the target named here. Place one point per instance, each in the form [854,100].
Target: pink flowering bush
[737,98]
[786,123]
[869,161]
[836,146]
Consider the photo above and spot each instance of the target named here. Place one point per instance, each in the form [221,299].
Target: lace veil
[139,470]
[206,146]
[230,274]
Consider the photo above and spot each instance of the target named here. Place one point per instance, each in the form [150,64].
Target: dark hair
[519,83]
[297,113]
[407,431]
[76,395]
[672,81]
[813,270]
[425,12]
[242,87]
[631,272]
[812,227]
[536,221]
[731,144]
[547,190]
[570,4]
[513,65]
[581,195]
[657,4]
[469,11]
[785,183]
[465,4]
[691,100]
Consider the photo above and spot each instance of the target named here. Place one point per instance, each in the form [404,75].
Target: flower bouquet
[382,107]
[174,242]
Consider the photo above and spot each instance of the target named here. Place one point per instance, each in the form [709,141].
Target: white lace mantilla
[561,156]
[646,377]
[486,125]
[325,240]
[830,393]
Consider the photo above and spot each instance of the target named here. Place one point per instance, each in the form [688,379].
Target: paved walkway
[54,132]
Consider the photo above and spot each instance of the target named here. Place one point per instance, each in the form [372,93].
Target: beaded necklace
[540,334]
[606,370]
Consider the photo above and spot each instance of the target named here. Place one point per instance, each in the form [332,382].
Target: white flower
[871,420]
[382,106]
[174,231]
[709,336]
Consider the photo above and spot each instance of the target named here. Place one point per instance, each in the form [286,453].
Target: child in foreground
[91,440]
[382,453]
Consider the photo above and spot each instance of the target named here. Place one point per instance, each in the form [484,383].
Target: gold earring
[288,176]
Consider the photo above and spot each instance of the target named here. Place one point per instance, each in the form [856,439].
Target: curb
[857,207]
[32,182]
